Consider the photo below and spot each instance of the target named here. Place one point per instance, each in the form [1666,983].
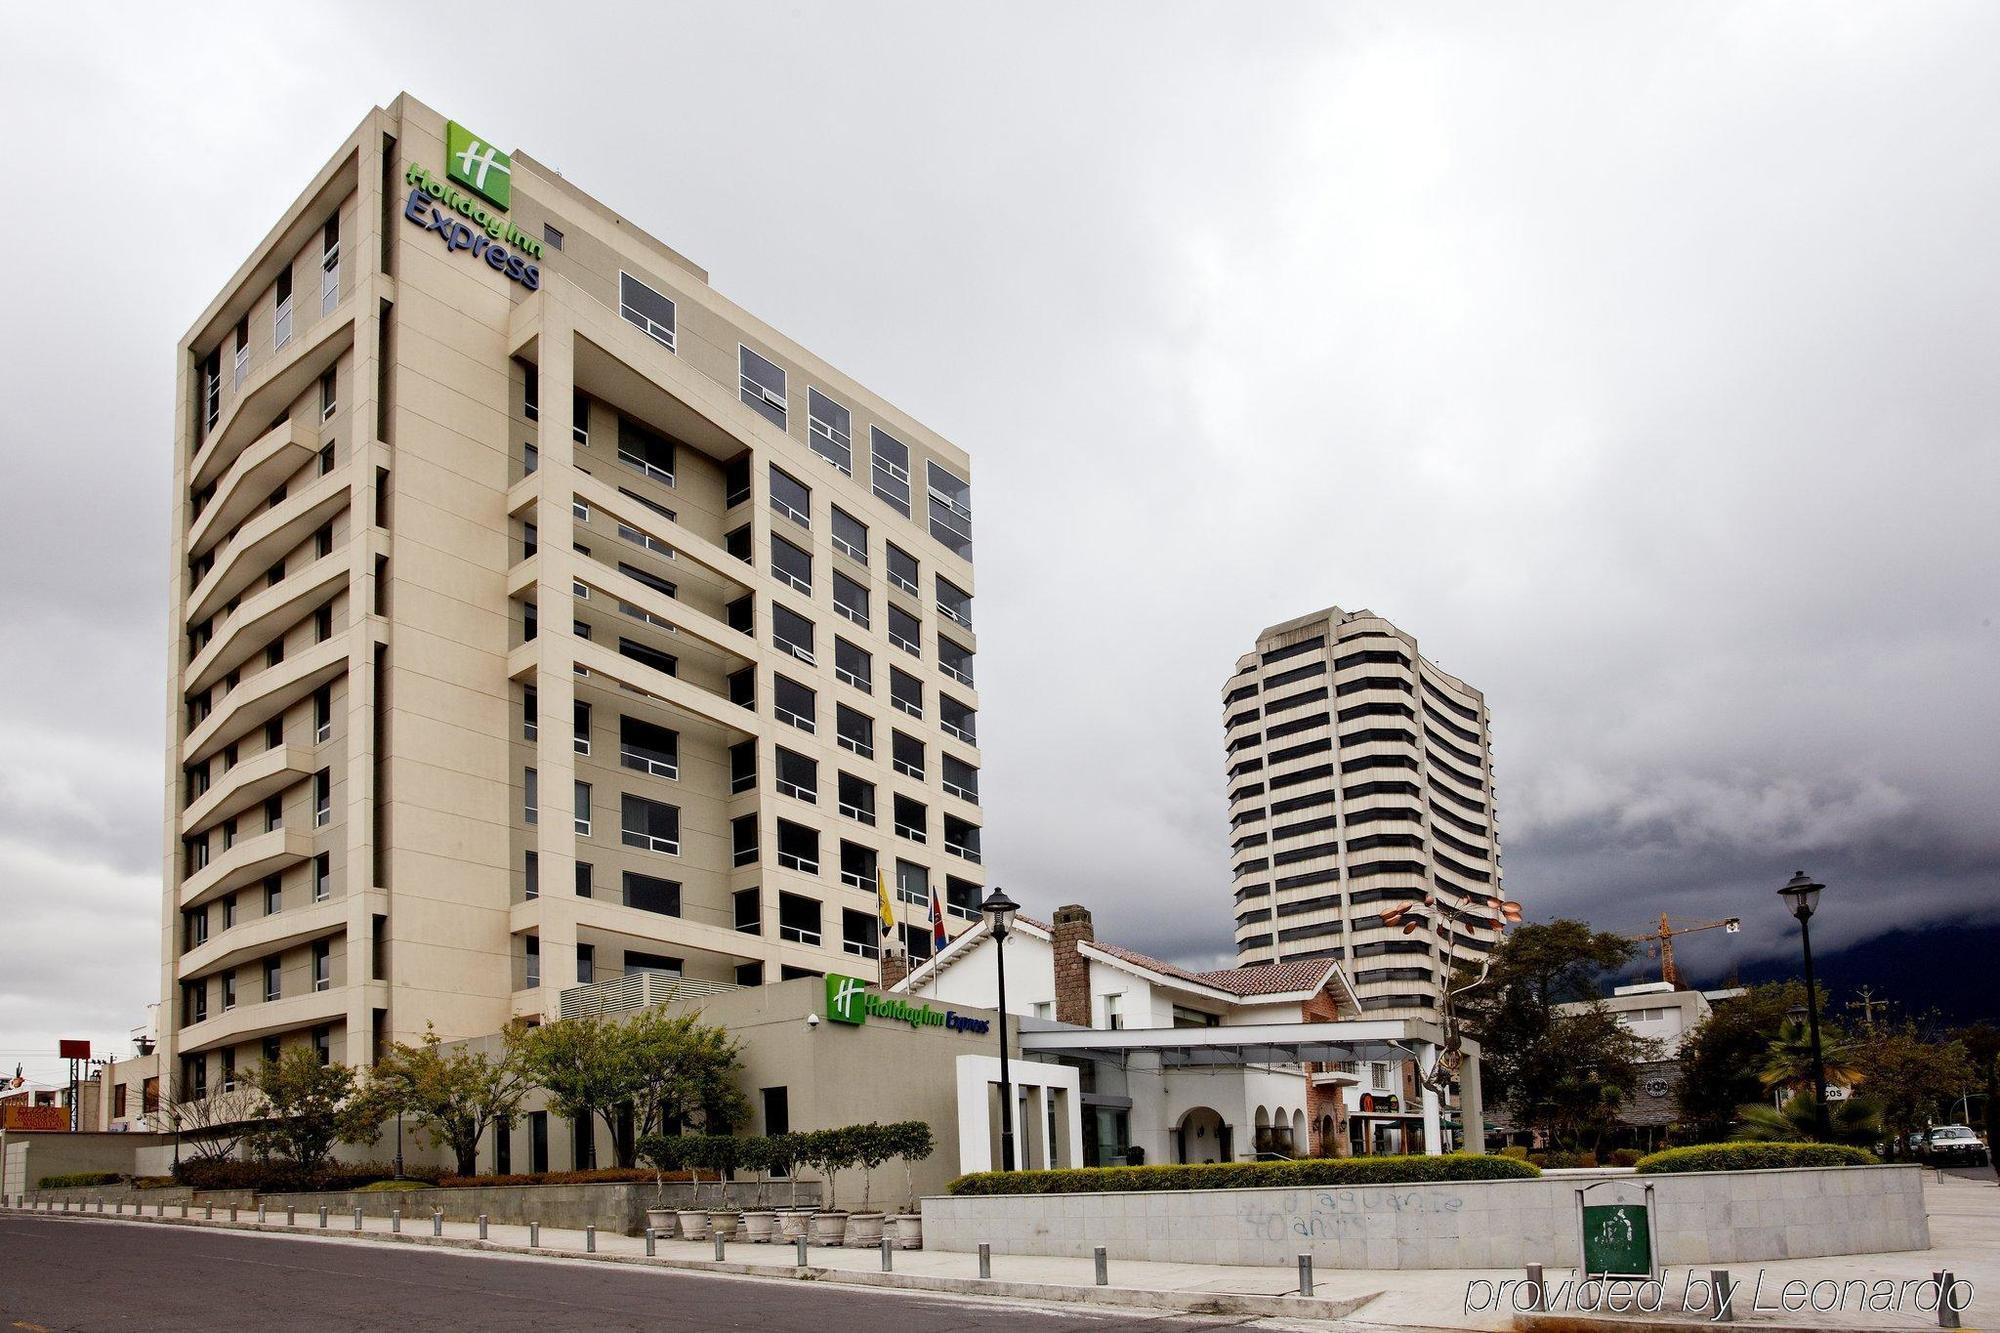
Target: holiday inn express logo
[848,1000]
[478,165]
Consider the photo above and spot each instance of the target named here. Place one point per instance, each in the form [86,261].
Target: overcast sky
[1639,359]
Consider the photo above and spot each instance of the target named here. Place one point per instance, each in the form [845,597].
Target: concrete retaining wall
[618,1206]
[1715,1217]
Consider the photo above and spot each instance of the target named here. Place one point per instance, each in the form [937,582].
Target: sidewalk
[1965,1230]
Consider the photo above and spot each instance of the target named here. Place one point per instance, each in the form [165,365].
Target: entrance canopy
[1249,1044]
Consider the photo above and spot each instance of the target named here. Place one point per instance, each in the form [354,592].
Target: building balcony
[265,617]
[264,696]
[252,1019]
[634,991]
[274,388]
[246,786]
[525,662]
[245,864]
[253,940]
[249,481]
[265,540]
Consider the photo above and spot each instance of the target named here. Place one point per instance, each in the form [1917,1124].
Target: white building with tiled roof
[1060,975]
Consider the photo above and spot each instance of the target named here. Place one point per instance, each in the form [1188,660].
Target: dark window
[648,656]
[911,818]
[850,599]
[854,730]
[892,470]
[857,866]
[641,305]
[652,825]
[749,911]
[777,1110]
[798,919]
[743,839]
[828,430]
[762,386]
[792,632]
[906,755]
[798,775]
[906,631]
[903,570]
[798,847]
[906,692]
[858,933]
[742,766]
[736,482]
[650,894]
[794,703]
[648,748]
[791,565]
[850,536]
[957,719]
[854,665]
[646,450]
[954,659]
[954,602]
[857,798]
[951,510]
[960,778]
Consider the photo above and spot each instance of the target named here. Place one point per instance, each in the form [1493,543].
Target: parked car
[1954,1145]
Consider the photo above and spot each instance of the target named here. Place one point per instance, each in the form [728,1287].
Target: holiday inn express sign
[848,1000]
[462,221]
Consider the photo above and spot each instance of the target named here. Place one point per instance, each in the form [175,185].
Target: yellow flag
[887,910]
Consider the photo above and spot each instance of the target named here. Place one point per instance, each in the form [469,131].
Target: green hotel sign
[848,1000]
[478,165]
[474,222]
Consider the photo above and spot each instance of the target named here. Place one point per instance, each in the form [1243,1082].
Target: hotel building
[1360,777]
[543,627]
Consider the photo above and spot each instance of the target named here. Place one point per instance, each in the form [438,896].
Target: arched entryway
[1202,1136]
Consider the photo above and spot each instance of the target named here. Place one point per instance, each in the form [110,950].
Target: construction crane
[1660,943]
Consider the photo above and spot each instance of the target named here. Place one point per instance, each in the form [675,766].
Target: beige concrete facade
[1360,777]
[451,552]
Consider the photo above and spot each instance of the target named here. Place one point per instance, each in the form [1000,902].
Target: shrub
[1752,1157]
[1562,1161]
[1312,1171]
[610,1175]
[1515,1151]
[80,1180]
[275,1176]
[1625,1156]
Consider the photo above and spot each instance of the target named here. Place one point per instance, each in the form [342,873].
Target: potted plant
[913,1143]
[759,1222]
[722,1153]
[785,1154]
[663,1153]
[693,1155]
[872,1145]
[830,1150]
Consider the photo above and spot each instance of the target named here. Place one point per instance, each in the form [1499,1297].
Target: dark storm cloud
[1638,359]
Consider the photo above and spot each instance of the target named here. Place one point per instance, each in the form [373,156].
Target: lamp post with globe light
[1801,895]
[1000,910]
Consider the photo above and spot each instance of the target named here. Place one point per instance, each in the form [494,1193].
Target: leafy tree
[873,1144]
[1564,1073]
[1723,1059]
[783,1154]
[829,1151]
[1910,1078]
[754,1154]
[1981,1044]
[1789,1063]
[453,1095]
[648,1074]
[308,1107]
[913,1142]
[1854,1121]
[665,1153]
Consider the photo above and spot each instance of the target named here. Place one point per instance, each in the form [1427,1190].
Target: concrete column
[1427,1096]
[1471,1101]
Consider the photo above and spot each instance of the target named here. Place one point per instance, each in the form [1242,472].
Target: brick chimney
[1072,926]
[895,966]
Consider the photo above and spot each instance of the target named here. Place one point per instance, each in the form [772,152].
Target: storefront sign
[461,221]
[848,1000]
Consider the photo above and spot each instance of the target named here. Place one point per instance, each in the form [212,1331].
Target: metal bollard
[357,1219]
[232,1212]
[322,1217]
[260,1214]
[118,1208]
[1541,1304]
[208,1212]
[100,1205]
[1725,1305]
[718,1245]
[1947,1316]
[985,1260]
[184,1207]
[590,1240]
[159,1210]
[1305,1275]
[888,1254]
[1103,1266]
[291,1217]
[651,1249]
[396,1221]
[801,1242]
[534,1235]
[482,1226]
[437,1221]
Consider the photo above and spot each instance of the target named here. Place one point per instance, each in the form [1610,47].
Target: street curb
[1179,1302]
[1574,1323]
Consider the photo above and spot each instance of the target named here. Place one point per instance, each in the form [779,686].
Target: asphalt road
[58,1274]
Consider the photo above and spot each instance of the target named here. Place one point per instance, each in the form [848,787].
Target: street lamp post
[1801,894]
[1000,909]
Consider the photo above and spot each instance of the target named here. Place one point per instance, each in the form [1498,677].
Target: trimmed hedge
[1752,1157]
[602,1176]
[80,1180]
[275,1177]
[1312,1171]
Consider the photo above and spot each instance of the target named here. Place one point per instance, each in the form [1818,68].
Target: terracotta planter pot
[829,1228]
[864,1230]
[759,1225]
[694,1223]
[724,1222]
[792,1222]
[662,1221]
[909,1230]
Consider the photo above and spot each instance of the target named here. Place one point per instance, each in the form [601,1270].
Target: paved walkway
[1965,1231]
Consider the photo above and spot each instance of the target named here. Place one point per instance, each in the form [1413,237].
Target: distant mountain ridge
[1936,967]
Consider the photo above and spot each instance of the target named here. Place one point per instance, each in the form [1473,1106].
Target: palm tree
[1854,1120]
[1789,1062]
